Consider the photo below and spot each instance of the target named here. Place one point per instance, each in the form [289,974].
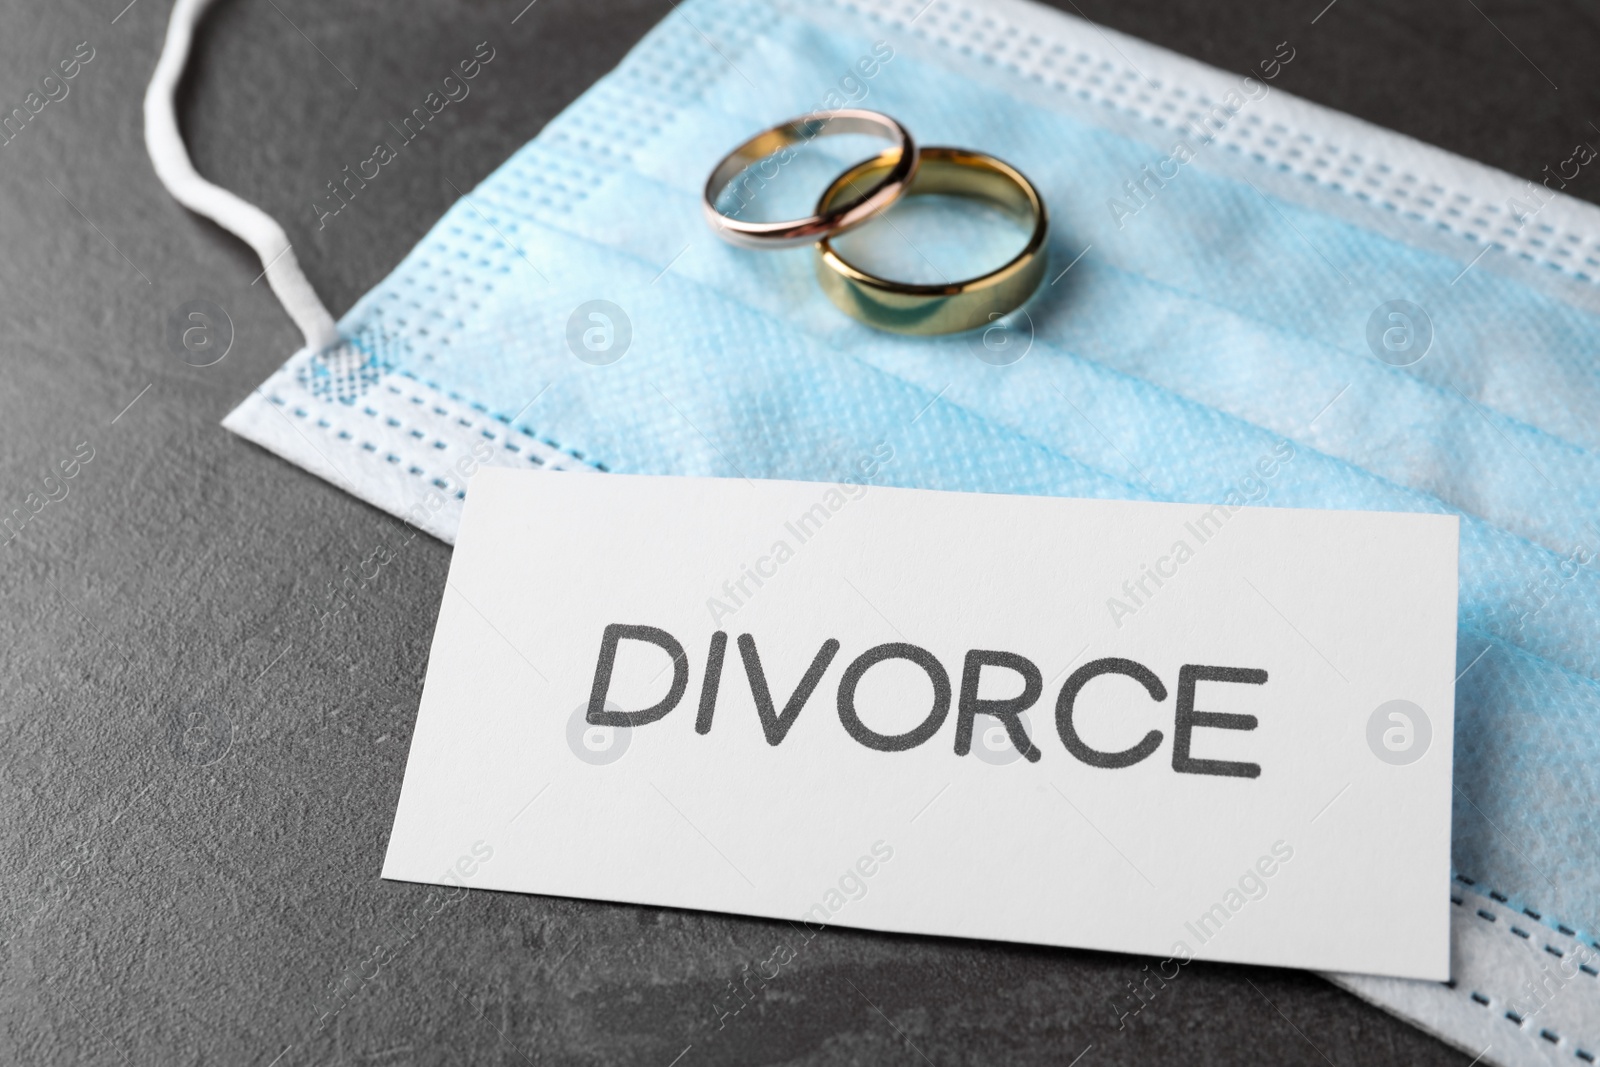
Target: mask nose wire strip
[255,227]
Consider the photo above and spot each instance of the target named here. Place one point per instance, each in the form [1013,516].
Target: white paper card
[1237,722]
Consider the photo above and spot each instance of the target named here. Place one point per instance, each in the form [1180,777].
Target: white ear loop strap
[252,225]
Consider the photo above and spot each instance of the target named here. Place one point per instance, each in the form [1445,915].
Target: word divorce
[776,724]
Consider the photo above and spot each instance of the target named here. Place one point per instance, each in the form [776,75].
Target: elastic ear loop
[252,225]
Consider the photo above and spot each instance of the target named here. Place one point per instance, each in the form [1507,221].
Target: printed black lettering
[1007,710]
[914,737]
[1187,719]
[615,634]
[773,724]
[1069,693]
[708,688]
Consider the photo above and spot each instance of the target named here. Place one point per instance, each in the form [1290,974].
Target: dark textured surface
[196,786]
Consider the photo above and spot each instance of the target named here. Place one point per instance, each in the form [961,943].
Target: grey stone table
[196,783]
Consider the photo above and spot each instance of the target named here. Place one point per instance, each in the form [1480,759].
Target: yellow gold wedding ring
[758,161]
[901,307]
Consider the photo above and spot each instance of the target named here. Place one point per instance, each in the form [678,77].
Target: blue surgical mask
[1251,300]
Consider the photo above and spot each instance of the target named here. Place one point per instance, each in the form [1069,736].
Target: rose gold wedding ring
[748,168]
